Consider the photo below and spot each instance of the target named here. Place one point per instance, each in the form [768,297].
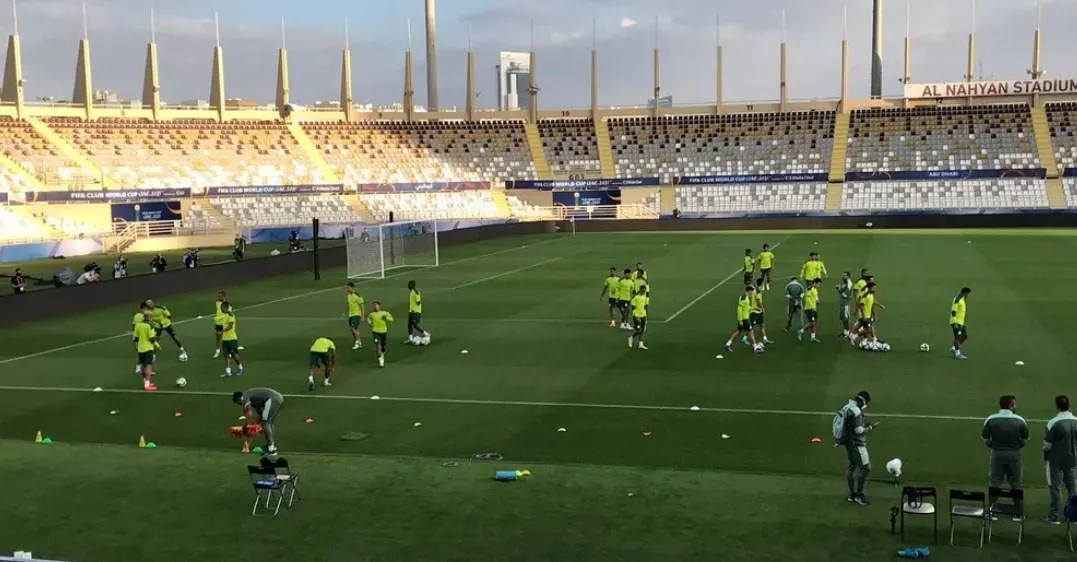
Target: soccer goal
[375,249]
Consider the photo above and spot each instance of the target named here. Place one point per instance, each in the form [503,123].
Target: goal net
[375,249]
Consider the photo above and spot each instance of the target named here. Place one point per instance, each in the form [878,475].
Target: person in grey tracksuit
[1060,454]
[854,437]
[1005,434]
[794,296]
[265,403]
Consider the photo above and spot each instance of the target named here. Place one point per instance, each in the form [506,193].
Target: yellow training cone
[141,442]
[38,438]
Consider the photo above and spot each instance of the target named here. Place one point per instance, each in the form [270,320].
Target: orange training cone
[38,438]
[141,442]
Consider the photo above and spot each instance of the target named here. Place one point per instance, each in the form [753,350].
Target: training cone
[46,441]
[151,445]
[141,442]
[257,450]
[38,438]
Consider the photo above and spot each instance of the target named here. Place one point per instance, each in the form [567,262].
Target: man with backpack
[851,431]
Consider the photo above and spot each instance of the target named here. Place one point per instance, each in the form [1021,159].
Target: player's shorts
[812,316]
[354,322]
[230,347]
[858,456]
[170,330]
[219,328]
[865,322]
[744,325]
[614,303]
[414,319]
[1005,468]
[639,324]
[623,305]
[747,278]
[844,312]
[795,306]
[959,331]
[146,357]
[764,274]
[381,340]
[756,319]
[318,359]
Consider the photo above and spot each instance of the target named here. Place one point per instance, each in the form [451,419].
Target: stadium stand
[478,204]
[16,227]
[23,145]
[755,197]
[734,144]
[190,153]
[570,145]
[1061,117]
[1027,193]
[941,138]
[398,152]
[295,210]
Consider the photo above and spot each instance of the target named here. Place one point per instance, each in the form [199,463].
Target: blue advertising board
[575,185]
[757,178]
[423,187]
[590,198]
[1035,173]
[147,211]
[247,190]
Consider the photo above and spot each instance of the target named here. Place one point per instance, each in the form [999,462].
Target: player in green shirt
[625,288]
[639,304]
[610,290]
[145,339]
[161,319]
[230,340]
[323,356]
[811,311]
[749,266]
[379,321]
[744,321]
[139,318]
[355,313]
[416,334]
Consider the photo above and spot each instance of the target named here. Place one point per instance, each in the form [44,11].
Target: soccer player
[766,264]
[161,319]
[744,321]
[813,268]
[610,290]
[845,297]
[749,266]
[865,326]
[140,317]
[416,333]
[1005,434]
[323,355]
[811,311]
[1060,453]
[639,303]
[853,431]
[379,321]
[145,339]
[640,274]
[261,405]
[794,297]
[355,313]
[860,288]
[230,341]
[218,318]
[957,322]
[626,288]
[757,317]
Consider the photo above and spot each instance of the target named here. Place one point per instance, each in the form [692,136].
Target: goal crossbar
[376,249]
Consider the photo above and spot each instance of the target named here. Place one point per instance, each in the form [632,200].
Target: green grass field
[541,358]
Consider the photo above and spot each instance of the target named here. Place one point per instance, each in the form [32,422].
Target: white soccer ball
[925,348]
[425,340]
[181,382]
[885,346]
[893,468]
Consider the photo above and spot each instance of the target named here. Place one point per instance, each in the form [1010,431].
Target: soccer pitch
[541,358]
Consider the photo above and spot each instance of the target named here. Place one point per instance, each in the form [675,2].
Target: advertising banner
[759,178]
[1036,173]
[574,185]
[248,190]
[433,187]
[592,198]
[108,195]
[991,88]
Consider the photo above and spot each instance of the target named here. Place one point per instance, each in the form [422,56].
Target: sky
[624,32]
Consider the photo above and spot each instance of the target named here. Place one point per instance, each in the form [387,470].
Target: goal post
[374,250]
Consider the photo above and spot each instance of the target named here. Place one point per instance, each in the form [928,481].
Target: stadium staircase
[534,140]
[501,201]
[27,215]
[71,152]
[357,205]
[1056,191]
[836,176]
[210,209]
[312,152]
[605,148]
[17,170]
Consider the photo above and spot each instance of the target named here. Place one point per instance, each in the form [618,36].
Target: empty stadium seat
[570,145]
[1016,193]
[1071,191]
[397,152]
[475,204]
[752,197]
[23,145]
[735,144]
[990,137]
[15,228]
[266,211]
[1061,117]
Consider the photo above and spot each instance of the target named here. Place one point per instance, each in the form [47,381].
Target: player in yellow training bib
[323,356]
[749,267]
[218,318]
[744,321]
[161,319]
[625,288]
[610,290]
[639,303]
[230,341]
[865,326]
[758,317]
[416,334]
[765,263]
[811,311]
[379,321]
[354,301]
[145,339]
[957,322]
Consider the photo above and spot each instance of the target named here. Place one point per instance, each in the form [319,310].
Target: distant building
[514,81]
[240,103]
[664,101]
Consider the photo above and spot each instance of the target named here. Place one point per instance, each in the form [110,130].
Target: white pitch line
[716,286]
[261,304]
[504,274]
[438,319]
[517,403]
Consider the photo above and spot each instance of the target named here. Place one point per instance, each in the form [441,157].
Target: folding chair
[288,478]
[1015,510]
[1069,513]
[918,501]
[971,505]
[267,487]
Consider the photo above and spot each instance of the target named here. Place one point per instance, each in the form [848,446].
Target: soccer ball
[925,348]
[424,340]
[884,346]
[893,468]
[181,382]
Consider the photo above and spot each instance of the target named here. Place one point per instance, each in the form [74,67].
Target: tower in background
[431,56]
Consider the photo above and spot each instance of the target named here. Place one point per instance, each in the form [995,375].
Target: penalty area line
[706,293]
[515,403]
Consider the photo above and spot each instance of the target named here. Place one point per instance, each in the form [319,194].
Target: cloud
[687,34]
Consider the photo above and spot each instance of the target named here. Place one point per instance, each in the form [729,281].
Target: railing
[589,212]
